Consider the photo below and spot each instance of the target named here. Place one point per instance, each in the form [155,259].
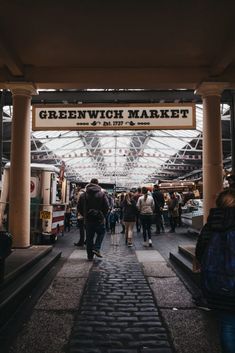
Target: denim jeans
[146,221]
[93,229]
[227,331]
[173,222]
[80,225]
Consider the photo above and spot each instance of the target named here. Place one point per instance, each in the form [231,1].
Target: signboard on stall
[114,117]
[33,187]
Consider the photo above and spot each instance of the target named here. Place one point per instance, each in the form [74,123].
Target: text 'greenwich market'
[115,114]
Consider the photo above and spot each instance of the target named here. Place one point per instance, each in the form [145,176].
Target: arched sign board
[114,117]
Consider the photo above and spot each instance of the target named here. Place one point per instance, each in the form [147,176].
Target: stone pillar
[19,191]
[212,143]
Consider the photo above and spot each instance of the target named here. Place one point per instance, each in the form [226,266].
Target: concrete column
[212,143]
[19,191]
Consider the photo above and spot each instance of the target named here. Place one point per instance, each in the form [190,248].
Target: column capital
[206,89]
[27,89]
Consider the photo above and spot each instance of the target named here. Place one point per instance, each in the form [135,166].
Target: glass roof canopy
[126,158]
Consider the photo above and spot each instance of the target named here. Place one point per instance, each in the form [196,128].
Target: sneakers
[97,253]
[145,243]
[129,244]
[150,243]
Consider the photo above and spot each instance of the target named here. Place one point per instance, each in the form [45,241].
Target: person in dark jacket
[220,224]
[231,181]
[113,219]
[173,211]
[130,211]
[159,203]
[93,206]
[136,197]
[80,220]
[67,218]
[121,199]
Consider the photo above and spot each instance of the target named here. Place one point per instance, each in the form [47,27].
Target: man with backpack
[93,206]
[215,252]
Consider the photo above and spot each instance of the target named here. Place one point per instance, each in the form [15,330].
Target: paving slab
[45,332]
[75,268]
[63,294]
[170,292]
[149,255]
[78,254]
[158,269]
[76,265]
[192,331]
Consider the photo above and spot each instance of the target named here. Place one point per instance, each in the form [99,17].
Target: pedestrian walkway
[130,301]
[118,313]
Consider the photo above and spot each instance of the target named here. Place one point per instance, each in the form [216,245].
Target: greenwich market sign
[114,117]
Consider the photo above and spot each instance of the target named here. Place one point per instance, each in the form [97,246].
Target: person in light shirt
[145,205]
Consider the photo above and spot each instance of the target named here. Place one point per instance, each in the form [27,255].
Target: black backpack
[95,216]
[218,266]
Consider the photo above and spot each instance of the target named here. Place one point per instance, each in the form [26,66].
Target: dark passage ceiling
[131,44]
[123,44]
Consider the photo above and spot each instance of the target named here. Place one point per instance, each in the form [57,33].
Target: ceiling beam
[116,77]
[226,56]
[10,59]
[115,96]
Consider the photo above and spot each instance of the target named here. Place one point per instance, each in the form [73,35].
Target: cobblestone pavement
[131,301]
[118,313]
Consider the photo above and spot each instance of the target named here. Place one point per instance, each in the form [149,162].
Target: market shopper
[120,201]
[173,211]
[93,206]
[231,181]
[215,252]
[145,205]
[137,195]
[80,220]
[67,218]
[113,219]
[159,203]
[130,211]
